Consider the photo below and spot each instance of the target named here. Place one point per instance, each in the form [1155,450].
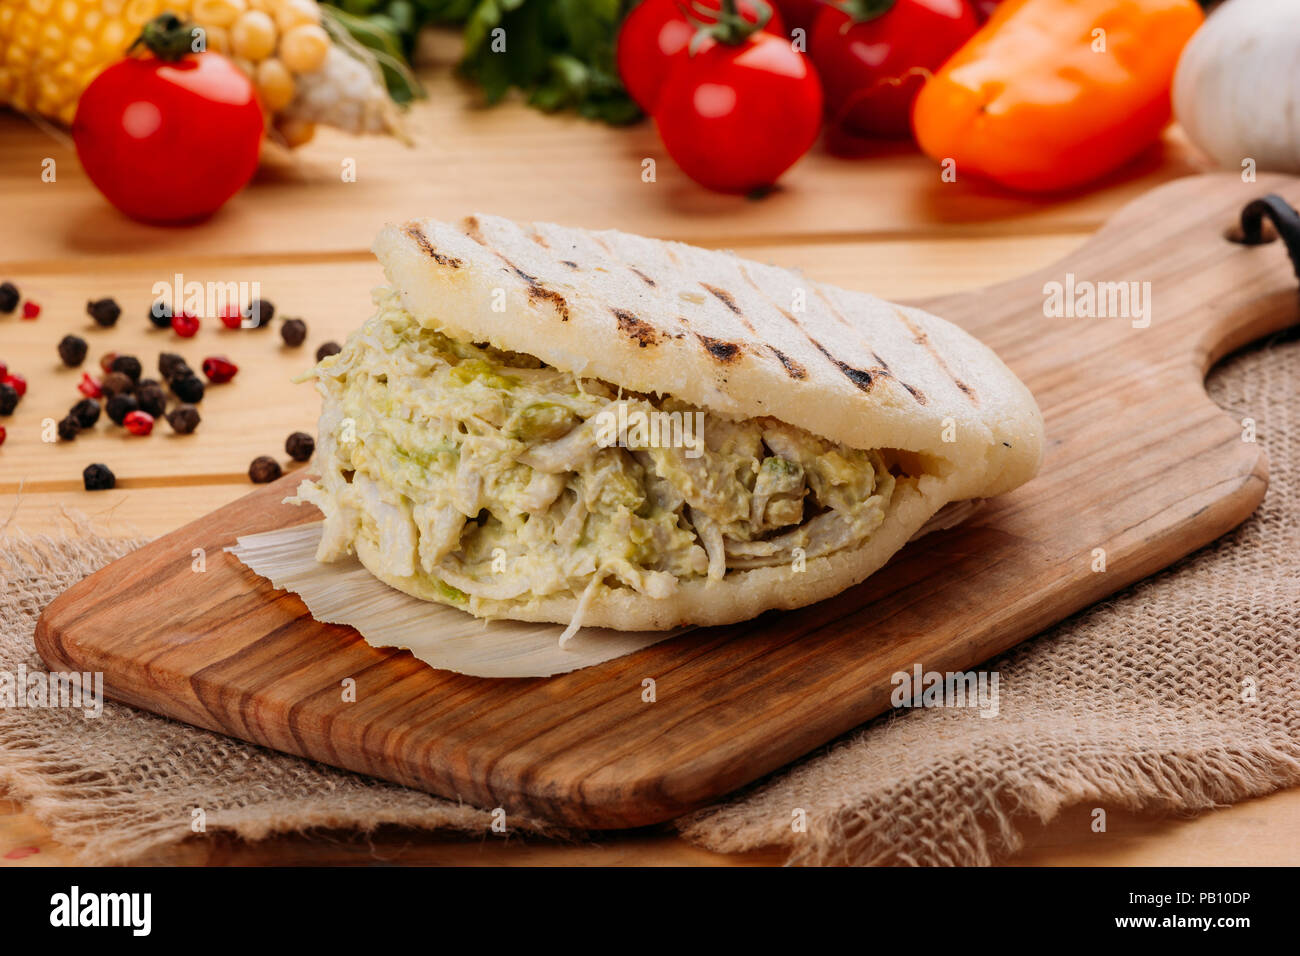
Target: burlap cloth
[1135,702]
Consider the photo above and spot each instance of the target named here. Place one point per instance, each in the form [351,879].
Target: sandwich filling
[487,479]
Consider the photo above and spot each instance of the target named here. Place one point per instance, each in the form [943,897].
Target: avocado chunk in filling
[486,476]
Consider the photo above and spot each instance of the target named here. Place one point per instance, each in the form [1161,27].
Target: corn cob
[50,50]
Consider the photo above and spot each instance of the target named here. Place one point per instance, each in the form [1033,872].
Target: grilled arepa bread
[480,441]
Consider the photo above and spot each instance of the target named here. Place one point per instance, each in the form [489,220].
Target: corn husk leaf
[344,592]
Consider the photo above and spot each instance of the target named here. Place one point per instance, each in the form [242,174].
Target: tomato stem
[167,37]
[730,28]
[860,11]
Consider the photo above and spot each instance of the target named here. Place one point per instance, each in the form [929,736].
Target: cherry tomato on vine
[737,116]
[873,56]
[656,31]
[170,136]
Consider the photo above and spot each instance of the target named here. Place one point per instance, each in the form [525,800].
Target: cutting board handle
[1205,288]
[1285,220]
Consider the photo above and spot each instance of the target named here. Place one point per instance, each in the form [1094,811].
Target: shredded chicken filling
[491,477]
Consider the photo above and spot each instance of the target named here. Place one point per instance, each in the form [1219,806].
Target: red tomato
[169,142]
[736,117]
[799,14]
[874,68]
[656,31]
[984,9]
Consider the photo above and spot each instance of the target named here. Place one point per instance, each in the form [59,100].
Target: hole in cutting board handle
[1285,220]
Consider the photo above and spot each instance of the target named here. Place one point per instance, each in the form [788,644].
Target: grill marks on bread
[534,288]
[638,330]
[723,296]
[415,234]
[923,340]
[861,378]
[642,276]
[723,351]
[882,367]
[792,368]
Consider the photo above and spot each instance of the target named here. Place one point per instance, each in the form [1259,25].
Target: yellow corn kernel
[25,26]
[218,39]
[219,13]
[18,58]
[81,51]
[275,85]
[295,132]
[69,13]
[304,48]
[52,41]
[253,36]
[114,39]
[292,13]
[140,12]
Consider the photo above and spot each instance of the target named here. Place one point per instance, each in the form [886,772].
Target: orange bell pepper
[1052,94]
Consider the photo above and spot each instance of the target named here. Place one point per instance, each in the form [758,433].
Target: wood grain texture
[1140,463]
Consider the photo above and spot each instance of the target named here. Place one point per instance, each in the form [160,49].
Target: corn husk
[344,592]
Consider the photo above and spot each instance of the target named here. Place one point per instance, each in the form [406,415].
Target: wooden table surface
[883,222]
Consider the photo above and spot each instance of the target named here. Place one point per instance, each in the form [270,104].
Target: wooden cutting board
[1140,463]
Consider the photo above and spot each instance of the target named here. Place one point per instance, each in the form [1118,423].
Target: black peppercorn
[128,365]
[188,388]
[72,349]
[116,383]
[299,446]
[151,397]
[9,297]
[105,312]
[294,332]
[171,365]
[160,314]
[119,406]
[8,398]
[97,477]
[183,419]
[86,412]
[328,349]
[259,313]
[68,428]
[263,469]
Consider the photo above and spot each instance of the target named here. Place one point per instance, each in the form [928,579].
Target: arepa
[489,438]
